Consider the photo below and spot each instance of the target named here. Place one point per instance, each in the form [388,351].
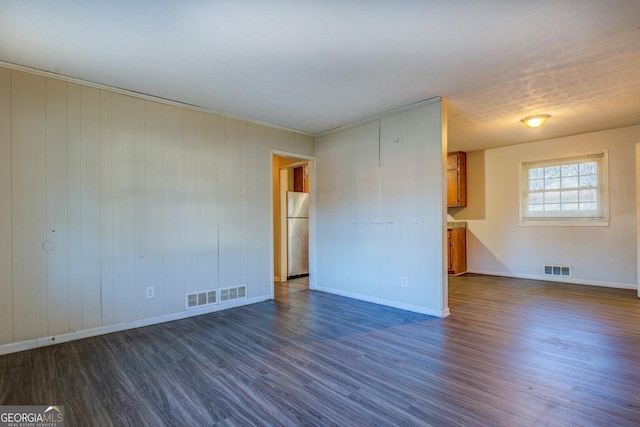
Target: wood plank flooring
[512,353]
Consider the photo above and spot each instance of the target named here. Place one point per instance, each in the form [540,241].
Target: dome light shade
[535,121]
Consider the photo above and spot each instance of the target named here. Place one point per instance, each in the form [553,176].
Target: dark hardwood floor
[512,353]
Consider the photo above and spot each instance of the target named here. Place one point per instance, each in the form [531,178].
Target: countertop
[452,225]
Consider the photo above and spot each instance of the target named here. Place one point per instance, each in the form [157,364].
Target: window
[571,191]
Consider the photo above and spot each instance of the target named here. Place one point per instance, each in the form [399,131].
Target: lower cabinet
[457,250]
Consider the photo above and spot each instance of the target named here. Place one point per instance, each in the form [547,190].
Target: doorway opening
[292,221]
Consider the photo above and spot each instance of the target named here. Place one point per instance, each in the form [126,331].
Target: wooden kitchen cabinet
[456,179]
[457,250]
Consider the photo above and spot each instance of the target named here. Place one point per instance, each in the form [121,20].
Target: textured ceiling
[318,65]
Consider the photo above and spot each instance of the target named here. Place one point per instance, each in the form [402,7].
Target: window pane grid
[564,189]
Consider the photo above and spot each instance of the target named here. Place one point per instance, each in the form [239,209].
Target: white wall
[381,210]
[130,193]
[598,255]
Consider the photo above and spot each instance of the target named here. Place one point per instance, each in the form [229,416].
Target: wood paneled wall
[103,194]
[381,211]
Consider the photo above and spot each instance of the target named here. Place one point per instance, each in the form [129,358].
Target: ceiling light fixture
[535,121]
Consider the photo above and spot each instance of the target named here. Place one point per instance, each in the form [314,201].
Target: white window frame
[598,217]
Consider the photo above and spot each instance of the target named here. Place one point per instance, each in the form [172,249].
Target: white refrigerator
[297,234]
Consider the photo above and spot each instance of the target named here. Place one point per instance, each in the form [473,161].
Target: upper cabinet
[456,179]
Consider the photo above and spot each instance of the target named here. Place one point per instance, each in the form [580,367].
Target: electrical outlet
[404,282]
[151,292]
[497,257]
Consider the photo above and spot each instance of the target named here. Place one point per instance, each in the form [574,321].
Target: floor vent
[557,270]
[198,299]
[230,294]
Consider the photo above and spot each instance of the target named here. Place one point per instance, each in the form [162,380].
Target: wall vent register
[557,270]
[204,298]
[229,294]
[198,299]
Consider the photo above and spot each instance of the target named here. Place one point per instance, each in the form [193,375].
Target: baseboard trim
[571,280]
[103,330]
[385,302]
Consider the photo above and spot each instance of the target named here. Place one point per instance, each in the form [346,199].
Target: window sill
[563,223]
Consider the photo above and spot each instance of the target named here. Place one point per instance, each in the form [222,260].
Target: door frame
[312,167]
[638,214]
